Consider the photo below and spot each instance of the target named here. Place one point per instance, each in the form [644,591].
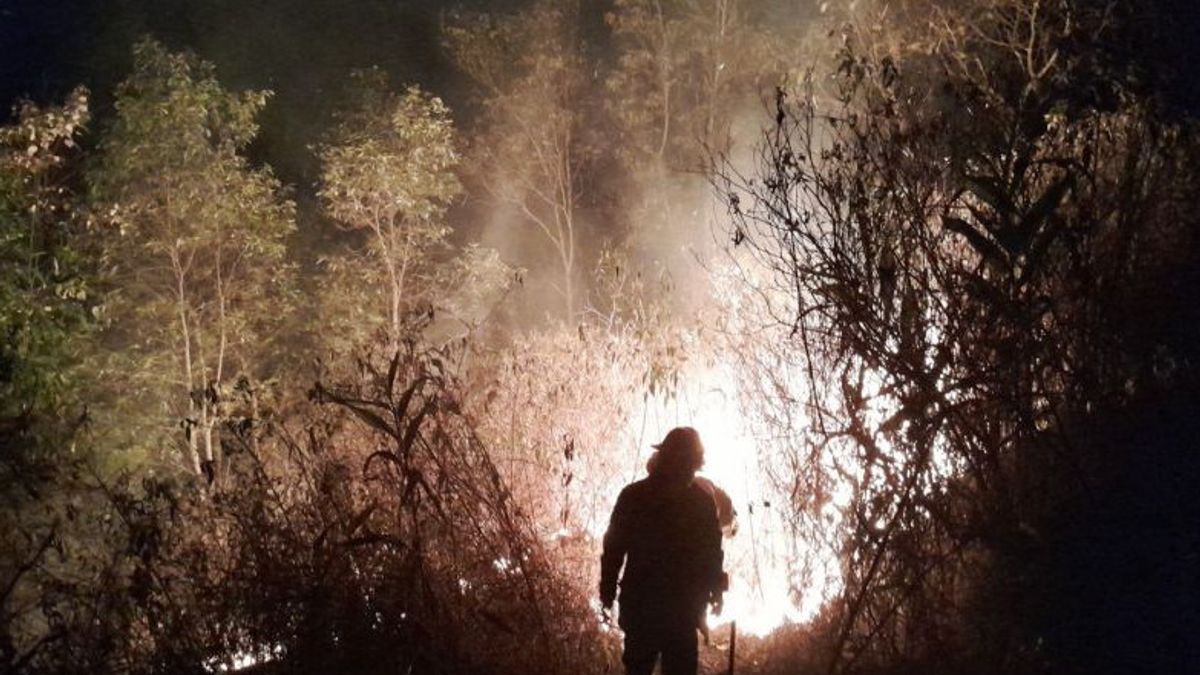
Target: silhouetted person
[726,518]
[666,533]
[726,514]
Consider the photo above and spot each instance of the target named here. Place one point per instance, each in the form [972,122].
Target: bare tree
[534,144]
[684,68]
[955,236]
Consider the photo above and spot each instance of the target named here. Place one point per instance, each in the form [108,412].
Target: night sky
[303,49]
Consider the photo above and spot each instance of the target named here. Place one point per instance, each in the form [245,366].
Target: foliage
[684,89]
[195,251]
[50,559]
[535,145]
[388,168]
[477,283]
[371,531]
[961,239]
[552,405]
[46,294]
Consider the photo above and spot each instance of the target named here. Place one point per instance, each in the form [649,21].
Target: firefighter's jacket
[666,535]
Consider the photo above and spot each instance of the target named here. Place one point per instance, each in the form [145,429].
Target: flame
[762,559]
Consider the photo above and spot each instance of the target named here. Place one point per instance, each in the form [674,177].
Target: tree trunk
[190,422]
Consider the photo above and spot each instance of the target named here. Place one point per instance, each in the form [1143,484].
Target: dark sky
[301,49]
[50,45]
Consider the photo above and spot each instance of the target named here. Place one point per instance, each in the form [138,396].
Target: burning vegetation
[921,273]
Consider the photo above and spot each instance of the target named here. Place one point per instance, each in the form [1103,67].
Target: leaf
[982,244]
[358,520]
[991,193]
[1047,204]
[391,374]
[987,293]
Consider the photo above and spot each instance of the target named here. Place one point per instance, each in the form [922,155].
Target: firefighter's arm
[714,560]
[616,545]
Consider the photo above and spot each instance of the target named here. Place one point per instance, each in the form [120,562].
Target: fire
[764,557]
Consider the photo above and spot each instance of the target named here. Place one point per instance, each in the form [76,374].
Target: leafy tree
[389,169]
[54,541]
[476,283]
[534,145]
[43,293]
[196,250]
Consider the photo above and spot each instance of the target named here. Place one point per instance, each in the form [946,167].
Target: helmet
[679,453]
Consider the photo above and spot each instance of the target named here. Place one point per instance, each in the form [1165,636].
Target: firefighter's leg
[641,651]
[679,650]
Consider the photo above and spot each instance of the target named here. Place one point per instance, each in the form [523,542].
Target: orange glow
[763,557]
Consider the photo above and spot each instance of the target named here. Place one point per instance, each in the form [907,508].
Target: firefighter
[666,534]
[726,518]
[726,514]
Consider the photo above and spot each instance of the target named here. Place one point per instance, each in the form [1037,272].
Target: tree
[684,69]
[46,294]
[56,548]
[684,74]
[962,238]
[389,169]
[46,298]
[533,147]
[196,250]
